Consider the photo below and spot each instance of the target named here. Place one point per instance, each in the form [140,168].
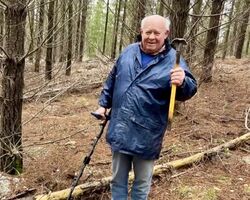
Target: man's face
[153,35]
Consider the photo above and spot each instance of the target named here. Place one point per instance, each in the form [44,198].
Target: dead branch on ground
[22,194]
[79,88]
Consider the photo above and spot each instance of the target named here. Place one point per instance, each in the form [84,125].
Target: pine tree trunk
[79,5]
[211,41]
[233,35]
[55,35]
[123,25]
[243,29]
[161,8]
[192,43]
[116,27]
[140,12]
[62,32]
[227,32]
[70,26]
[31,17]
[248,42]
[83,29]
[142,4]
[178,17]
[106,27]
[1,27]
[11,160]
[39,31]
[49,52]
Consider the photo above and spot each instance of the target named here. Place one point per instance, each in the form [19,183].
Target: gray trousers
[143,170]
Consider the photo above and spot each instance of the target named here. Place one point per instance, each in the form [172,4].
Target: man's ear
[167,33]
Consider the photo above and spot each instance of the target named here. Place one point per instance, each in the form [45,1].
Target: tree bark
[62,32]
[227,32]
[233,34]
[55,35]
[11,160]
[79,5]
[83,29]
[1,27]
[106,28]
[178,17]
[123,25]
[39,31]
[192,43]
[248,42]
[158,169]
[70,26]
[31,17]
[243,29]
[115,30]
[140,12]
[49,52]
[161,7]
[211,41]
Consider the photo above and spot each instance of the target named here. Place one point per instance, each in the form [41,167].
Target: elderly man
[138,91]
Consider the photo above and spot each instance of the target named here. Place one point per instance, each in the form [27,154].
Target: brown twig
[54,141]
[245,150]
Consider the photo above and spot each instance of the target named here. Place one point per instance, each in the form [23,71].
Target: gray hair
[167,21]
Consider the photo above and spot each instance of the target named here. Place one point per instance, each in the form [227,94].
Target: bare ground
[58,133]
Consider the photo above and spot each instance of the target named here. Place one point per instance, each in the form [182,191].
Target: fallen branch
[159,169]
[80,88]
[22,194]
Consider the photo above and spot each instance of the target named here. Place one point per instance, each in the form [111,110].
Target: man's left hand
[177,76]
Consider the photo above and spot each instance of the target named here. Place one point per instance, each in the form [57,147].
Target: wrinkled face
[153,34]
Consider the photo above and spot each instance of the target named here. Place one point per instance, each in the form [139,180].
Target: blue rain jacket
[140,101]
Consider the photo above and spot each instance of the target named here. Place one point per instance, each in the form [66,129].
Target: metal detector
[87,158]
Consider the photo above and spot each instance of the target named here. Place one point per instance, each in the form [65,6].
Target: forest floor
[58,132]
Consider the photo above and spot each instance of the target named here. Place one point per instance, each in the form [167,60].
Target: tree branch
[220,25]
[236,18]
[1,2]
[213,15]
[29,2]
[5,53]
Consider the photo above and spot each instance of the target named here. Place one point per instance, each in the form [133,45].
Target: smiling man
[138,91]
[154,31]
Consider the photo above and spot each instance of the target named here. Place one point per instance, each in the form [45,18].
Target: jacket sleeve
[189,86]
[106,96]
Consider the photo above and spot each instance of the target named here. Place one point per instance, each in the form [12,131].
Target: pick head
[178,42]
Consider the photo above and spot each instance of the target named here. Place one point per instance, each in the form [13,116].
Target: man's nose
[151,36]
